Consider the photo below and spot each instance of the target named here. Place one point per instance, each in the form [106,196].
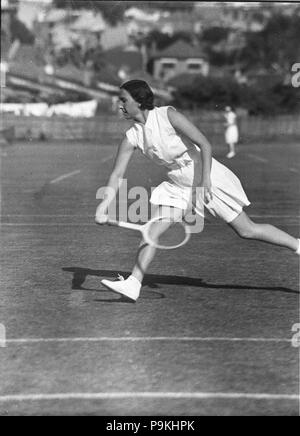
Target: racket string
[166,233]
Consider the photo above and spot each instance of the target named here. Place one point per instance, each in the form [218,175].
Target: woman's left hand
[208,195]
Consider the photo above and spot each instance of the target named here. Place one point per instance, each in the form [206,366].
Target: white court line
[73,173]
[148,395]
[20,341]
[261,159]
[258,158]
[64,176]
[293,170]
[106,159]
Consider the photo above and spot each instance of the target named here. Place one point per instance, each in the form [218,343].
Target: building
[88,28]
[179,58]
[139,23]
[30,10]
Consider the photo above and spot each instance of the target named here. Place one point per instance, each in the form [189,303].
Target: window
[194,66]
[168,65]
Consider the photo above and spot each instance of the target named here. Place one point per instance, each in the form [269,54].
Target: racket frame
[144,229]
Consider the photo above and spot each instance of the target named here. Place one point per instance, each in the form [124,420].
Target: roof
[27,62]
[27,53]
[55,15]
[30,71]
[180,50]
[62,37]
[139,14]
[89,21]
[70,73]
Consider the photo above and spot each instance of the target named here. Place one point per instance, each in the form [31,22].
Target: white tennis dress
[158,140]
[231,132]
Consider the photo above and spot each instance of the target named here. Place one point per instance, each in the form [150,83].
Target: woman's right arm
[109,192]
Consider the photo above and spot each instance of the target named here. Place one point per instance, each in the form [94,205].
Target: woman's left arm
[182,125]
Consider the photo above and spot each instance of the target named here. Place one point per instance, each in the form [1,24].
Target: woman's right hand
[101,216]
[101,219]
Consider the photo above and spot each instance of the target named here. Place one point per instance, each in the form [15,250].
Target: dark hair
[141,92]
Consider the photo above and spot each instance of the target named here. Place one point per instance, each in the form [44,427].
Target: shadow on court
[153,281]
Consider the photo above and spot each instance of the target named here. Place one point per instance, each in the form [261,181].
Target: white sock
[298,249]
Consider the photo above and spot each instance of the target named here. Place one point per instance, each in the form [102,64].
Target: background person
[231,132]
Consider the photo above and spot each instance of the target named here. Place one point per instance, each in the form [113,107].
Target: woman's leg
[248,229]
[146,253]
[130,288]
[231,152]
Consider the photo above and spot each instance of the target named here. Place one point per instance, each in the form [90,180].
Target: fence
[251,128]
[65,128]
[284,125]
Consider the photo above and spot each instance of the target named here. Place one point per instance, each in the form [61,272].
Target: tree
[208,92]
[263,98]
[214,34]
[276,47]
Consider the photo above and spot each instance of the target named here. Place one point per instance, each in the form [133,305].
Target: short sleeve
[132,136]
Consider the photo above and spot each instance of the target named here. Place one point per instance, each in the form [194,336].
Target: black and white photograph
[150,239]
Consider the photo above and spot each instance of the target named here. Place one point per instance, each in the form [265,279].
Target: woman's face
[128,106]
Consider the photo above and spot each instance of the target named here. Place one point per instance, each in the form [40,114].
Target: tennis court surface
[212,331]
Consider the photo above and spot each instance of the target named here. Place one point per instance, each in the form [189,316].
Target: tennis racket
[177,233]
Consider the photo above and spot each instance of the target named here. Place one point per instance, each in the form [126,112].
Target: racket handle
[123,224]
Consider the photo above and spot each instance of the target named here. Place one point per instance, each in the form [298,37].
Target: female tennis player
[168,138]
[231,131]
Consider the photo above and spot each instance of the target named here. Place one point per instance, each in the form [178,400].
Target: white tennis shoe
[230,155]
[129,288]
[298,249]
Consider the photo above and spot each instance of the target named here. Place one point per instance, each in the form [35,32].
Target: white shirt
[230,118]
[157,138]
